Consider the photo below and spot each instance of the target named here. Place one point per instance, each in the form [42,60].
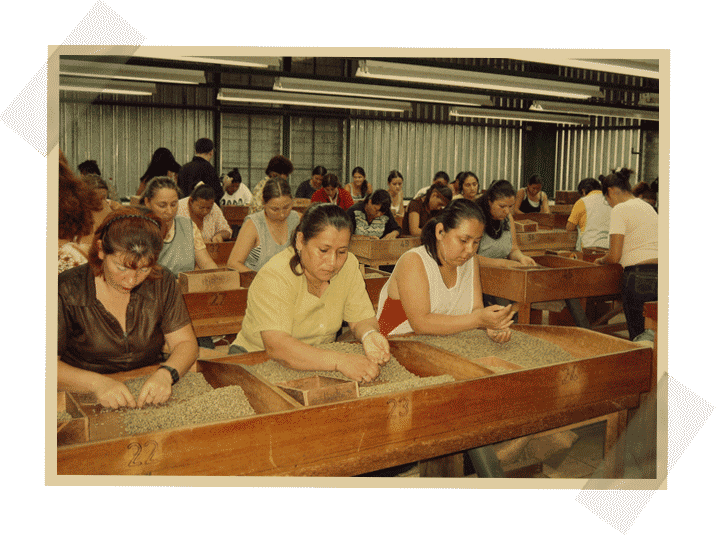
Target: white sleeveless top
[453,302]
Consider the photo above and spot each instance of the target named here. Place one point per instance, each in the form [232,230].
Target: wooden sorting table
[533,243]
[557,278]
[219,252]
[546,221]
[375,432]
[374,252]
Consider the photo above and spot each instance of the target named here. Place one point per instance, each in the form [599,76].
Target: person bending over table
[205,214]
[532,199]
[498,244]
[435,288]
[590,215]
[300,297]
[116,312]
[422,209]
[633,242]
[184,248]
[332,193]
[372,216]
[267,232]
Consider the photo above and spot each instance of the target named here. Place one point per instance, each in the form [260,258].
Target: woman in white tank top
[435,288]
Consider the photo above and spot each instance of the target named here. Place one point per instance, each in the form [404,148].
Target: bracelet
[367,334]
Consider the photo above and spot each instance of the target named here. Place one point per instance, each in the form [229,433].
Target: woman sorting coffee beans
[116,312]
[300,297]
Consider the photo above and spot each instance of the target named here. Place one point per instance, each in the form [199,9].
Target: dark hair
[203,145]
[443,175]
[319,171]
[89,167]
[535,180]
[444,191]
[645,190]
[382,198]
[462,177]
[394,174]
[497,190]
[619,179]
[450,217]
[162,162]
[276,187]
[588,185]
[202,192]
[134,232]
[157,183]
[77,200]
[330,180]
[235,175]
[365,184]
[279,164]
[315,219]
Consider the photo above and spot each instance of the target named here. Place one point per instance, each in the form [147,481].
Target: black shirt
[199,169]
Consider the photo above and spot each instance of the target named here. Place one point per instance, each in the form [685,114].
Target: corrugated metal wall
[419,150]
[122,139]
[316,142]
[582,153]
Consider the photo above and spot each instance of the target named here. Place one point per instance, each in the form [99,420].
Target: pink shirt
[212,223]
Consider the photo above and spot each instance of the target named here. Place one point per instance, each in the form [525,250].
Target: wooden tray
[76,429]
[381,249]
[219,252]
[370,433]
[317,389]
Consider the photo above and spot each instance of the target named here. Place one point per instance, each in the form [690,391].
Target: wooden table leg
[524,313]
[614,448]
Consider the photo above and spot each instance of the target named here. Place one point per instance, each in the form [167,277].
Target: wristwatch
[172,371]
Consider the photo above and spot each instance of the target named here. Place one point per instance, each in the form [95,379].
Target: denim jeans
[639,285]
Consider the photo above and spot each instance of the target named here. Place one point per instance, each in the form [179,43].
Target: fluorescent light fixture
[261,62]
[84,84]
[517,115]
[379,92]
[594,110]
[470,79]
[327,101]
[623,66]
[130,72]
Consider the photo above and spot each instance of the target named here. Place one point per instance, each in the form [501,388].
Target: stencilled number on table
[217,299]
[399,407]
[141,455]
[569,374]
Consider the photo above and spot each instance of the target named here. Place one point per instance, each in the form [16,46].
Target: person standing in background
[532,199]
[200,169]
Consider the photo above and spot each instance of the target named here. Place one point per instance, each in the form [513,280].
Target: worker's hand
[357,367]
[114,394]
[501,337]
[376,347]
[217,238]
[527,260]
[157,389]
[496,317]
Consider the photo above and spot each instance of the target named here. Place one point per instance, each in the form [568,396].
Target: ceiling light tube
[594,110]
[325,101]
[621,66]
[470,79]
[261,62]
[379,92]
[130,72]
[517,115]
[84,84]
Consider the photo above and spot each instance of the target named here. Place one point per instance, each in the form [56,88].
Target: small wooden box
[75,430]
[380,249]
[135,200]
[204,280]
[567,197]
[320,390]
[245,278]
[526,225]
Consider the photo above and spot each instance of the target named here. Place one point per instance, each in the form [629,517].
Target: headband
[118,217]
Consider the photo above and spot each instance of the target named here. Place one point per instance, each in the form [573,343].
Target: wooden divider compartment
[370,433]
[74,430]
[219,252]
